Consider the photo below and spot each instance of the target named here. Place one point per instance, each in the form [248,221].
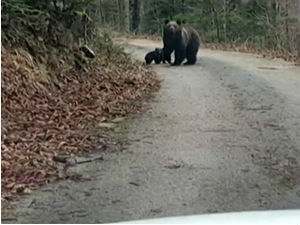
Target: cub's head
[158,51]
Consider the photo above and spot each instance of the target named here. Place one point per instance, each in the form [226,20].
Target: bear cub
[156,55]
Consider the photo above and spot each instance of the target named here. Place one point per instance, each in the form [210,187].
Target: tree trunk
[103,21]
[135,23]
[217,23]
[298,41]
[121,12]
[287,30]
[171,8]
[225,22]
[127,15]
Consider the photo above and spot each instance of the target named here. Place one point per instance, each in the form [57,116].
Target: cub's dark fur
[156,55]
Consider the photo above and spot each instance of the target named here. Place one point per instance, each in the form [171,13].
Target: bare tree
[135,20]
[127,15]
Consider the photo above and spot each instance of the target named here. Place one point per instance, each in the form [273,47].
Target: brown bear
[184,41]
[156,55]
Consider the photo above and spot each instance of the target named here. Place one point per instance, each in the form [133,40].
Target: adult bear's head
[172,28]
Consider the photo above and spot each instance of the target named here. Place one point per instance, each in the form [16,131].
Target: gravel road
[220,136]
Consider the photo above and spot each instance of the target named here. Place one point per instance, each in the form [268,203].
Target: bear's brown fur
[184,41]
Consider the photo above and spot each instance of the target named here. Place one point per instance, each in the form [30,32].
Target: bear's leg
[158,59]
[167,55]
[179,56]
[191,54]
[191,60]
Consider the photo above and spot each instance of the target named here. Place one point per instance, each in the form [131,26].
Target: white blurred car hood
[251,217]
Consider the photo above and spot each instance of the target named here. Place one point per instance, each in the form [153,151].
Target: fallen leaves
[41,121]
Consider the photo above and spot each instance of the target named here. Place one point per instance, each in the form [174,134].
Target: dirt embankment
[61,112]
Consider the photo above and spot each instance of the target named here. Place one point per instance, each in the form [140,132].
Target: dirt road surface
[220,136]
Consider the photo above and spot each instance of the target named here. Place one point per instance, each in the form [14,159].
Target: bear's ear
[178,22]
[167,21]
